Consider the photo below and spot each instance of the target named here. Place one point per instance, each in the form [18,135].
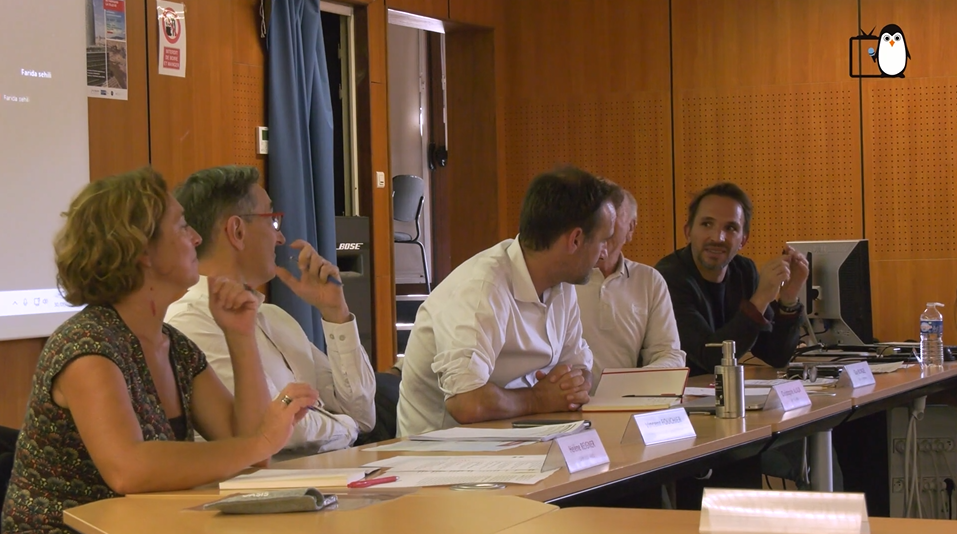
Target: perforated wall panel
[625,140]
[910,131]
[248,112]
[793,149]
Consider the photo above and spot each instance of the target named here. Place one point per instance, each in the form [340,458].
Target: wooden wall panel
[375,43]
[119,130]
[585,87]
[18,359]
[491,14]
[436,9]
[910,160]
[191,118]
[762,98]
[375,139]
[471,173]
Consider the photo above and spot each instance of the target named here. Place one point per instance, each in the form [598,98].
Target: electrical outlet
[380,180]
[898,485]
[925,445]
[947,444]
[899,446]
[928,484]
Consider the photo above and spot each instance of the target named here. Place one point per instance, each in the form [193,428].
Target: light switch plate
[262,140]
[380,180]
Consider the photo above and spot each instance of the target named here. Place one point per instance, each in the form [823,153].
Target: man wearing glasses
[240,229]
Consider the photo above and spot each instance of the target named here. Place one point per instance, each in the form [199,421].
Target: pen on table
[671,395]
[365,483]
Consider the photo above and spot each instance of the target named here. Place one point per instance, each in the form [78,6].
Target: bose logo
[350,246]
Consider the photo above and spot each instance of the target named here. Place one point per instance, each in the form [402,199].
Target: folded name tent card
[787,396]
[576,452]
[856,375]
[638,389]
[726,511]
[658,427]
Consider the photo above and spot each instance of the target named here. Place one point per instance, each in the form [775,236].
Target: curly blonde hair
[107,229]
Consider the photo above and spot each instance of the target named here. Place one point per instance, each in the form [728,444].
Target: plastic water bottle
[932,335]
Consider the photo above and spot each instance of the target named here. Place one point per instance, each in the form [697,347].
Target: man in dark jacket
[719,295]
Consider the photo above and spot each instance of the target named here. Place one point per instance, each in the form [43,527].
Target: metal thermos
[728,383]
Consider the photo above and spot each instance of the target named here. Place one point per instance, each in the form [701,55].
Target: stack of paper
[538,433]
[420,471]
[446,446]
[295,478]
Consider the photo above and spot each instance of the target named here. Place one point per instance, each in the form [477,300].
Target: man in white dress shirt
[626,311]
[234,215]
[501,336]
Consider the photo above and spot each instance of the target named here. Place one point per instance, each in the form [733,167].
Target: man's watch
[787,309]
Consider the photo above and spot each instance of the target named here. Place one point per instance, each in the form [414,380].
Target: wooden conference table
[717,440]
[631,520]
[410,514]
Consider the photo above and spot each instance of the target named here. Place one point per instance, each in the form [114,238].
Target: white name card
[727,511]
[788,396]
[856,375]
[664,425]
[582,450]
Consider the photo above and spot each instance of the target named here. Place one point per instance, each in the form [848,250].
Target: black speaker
[354,259]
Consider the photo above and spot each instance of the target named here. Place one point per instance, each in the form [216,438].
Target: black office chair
[407,200]
[8,444]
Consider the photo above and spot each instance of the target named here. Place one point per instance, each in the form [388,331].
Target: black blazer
[772,337]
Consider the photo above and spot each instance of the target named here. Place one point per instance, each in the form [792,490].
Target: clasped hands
[782,278]
[562,389]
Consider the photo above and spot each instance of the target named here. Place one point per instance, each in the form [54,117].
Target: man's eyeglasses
[275,216]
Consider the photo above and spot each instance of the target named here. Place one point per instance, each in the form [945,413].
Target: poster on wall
[171,18]
[106,74]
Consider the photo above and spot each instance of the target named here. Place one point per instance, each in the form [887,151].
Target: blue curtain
[301,176]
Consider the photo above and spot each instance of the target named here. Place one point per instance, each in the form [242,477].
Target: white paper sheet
[466,464]
[820,382]
[294,478]
[538,433]
[447,446]
[709,392]
[418,480]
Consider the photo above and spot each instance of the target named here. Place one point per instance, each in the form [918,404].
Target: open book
[295,478]
[638,389]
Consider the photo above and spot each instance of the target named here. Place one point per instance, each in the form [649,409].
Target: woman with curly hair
[118,394]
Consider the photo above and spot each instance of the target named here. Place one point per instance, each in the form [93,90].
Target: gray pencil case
[274,502]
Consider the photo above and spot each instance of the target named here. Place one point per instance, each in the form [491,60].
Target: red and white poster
[172,38]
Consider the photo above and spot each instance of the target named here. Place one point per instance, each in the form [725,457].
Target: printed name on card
[788,396]
[856,375]
[659,427]
[576,451]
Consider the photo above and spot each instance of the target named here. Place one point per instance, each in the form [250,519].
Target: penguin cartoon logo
[892,54]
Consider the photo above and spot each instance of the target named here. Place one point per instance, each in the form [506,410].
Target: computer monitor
[837,294]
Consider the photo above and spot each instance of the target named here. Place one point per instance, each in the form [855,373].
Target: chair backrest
[8,444]
[407,190]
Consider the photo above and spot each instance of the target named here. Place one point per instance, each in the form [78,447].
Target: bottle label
[932,327]
[719,389]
